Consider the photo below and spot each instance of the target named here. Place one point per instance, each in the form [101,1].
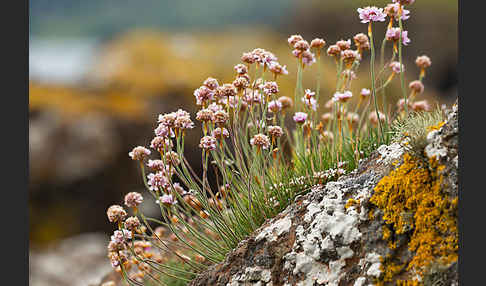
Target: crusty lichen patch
[412,203]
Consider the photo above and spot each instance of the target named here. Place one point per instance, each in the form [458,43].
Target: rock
[322,240]
[80,260]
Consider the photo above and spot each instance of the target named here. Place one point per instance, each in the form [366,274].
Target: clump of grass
[414,128]
[263,149]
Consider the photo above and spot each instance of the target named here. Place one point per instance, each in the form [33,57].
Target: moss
[413,205]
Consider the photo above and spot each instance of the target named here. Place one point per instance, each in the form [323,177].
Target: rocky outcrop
[338,234]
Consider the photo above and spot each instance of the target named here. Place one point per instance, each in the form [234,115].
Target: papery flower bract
[395,67]
[116,213]
[260,140]
[373,14]
[139,153]
[208,143]
[133,199]
[300,117]
[342,96]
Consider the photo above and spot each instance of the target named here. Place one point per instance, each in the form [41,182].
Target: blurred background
[101,71]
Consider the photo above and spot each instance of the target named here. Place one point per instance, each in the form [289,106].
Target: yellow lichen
[351,202]
[412,203]
[435,127]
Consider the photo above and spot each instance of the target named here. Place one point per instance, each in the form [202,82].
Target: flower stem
[372,68]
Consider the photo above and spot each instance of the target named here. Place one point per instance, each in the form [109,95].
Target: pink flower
[310,102]
[203,95]
[208,143]
[276,68]
[300,117]
[308,58]
[395,66]
[294,39]
[158,181]
[260,140]
[270,87]
[365,92]
[163,131]
[156,165]
[241,69]
[274,106]
[160,143]
[220,133]
[373,14]
[166,200]
[120,236]
[275,131]
[392,11]
[342,96]
[139,153]
[133,199]
[393,34]
[309,93]
[211,83]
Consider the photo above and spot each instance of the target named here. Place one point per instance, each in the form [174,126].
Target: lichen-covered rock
[339,234]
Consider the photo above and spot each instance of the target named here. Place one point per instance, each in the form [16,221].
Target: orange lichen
[435,127]
[412,203]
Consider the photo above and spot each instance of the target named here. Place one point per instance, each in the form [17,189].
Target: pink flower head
[274,106]
[277,69]
[270,87]
[220,133]
[208,143]
[373,14]
[395,66]
[260,140]
[156,165]
[121,236]
[241,69]
[392,11]
[393,34]
[163,131]
[133,199]
[166,200]
[254,97]
[308,58]
[275,131]
[300,117]
[203,94]
[365,92]
[139,153]
[211,83]
[310,102]
[214,107]
[342,96]
[183,120]
[294,39]
[160,143]
[168,119]
[309,93]
[422,105]
[158,181]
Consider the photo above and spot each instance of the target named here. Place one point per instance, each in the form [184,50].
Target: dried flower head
[392,11]
[417,86]
[277,69]
[132,223]
[349,56]
[211,83]
[240,83]
[423,62]
[300,117]
[260,140]
[139,153]
[371,14]
[275,131]
[308,58]
[248,58]
[116,213]
[208,143]
[270,88]
[227,90]
[133,199]
[274,106]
